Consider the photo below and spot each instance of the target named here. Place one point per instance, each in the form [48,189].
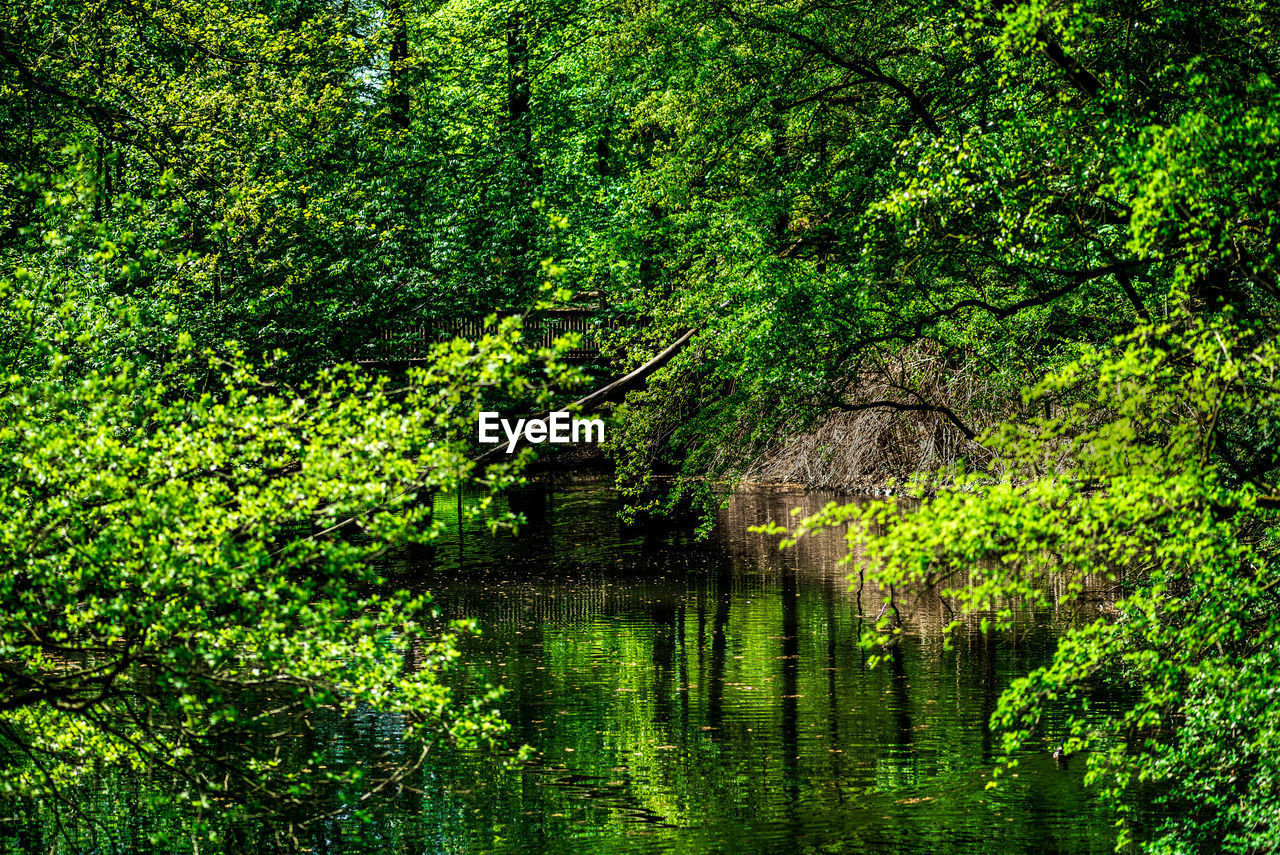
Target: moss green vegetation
[1043,235]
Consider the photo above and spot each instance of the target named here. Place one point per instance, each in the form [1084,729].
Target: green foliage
[1122,491]
[1005,189]
[191,550]
[1073,200]
[926,208]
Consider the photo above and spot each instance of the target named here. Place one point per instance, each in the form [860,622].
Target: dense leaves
[1123,487]
[190,559]
[1037,240]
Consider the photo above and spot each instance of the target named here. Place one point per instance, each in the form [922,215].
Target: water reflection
[712,697]
[679,697]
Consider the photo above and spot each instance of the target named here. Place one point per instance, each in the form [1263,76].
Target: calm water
[678,697]
[711,697]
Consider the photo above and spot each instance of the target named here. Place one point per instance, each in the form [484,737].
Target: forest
[992,286]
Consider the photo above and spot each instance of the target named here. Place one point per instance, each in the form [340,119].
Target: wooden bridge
[414,342]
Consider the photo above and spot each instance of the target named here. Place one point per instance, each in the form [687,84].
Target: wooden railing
[415,341]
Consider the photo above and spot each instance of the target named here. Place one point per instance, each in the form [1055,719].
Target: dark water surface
[711,697]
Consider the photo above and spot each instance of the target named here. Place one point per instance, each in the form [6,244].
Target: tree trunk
[397,83]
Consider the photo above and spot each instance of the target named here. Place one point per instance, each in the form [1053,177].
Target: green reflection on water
[679,697]
[685,697]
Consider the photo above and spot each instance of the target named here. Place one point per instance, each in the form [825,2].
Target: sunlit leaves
[1122,487]
[191,548]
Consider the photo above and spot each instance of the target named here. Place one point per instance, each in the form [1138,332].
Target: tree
[1123,488]
[1075,207]
[191,548]
[970,192]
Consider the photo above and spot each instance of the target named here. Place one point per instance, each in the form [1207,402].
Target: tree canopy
[1026,249]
